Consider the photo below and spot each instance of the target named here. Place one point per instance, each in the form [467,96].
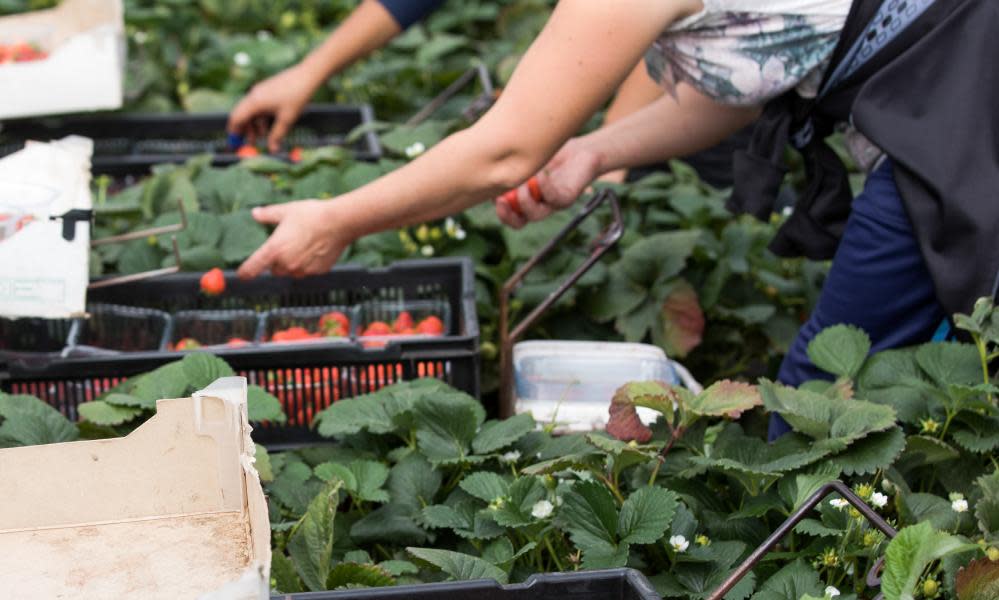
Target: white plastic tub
[571,383]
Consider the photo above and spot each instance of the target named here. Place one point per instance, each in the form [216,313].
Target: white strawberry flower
[960,505]
[679,543]
[879,500]
[831,592]
[511,456]
[542,509]
[415,149]
[242,59]
[838,503]
[427,250]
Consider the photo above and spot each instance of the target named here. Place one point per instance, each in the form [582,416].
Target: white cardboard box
[41,273]
[173,511]
[85,68]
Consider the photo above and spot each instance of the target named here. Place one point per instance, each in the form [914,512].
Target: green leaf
[390,523]
[374,413]
[369,476]
[311,544]
[263,406]
[100,412]
[525,492]
[936,511]
[724,399]
[262,462]
[283,572]
[459,566]
[427,133]
[168,381]
[241,236]
[589,515]
[950,363]
[413,482]
[498,552]
[399,567]
[202,369]
[659,256]
[840,350]
[127,400]
[496,435]
[464,518]
[910,553]
[987,508]
[328,471]
[923,450]
[354,575]
[447,426]
[876,451]
[27,421]
[976,433]
[294,487]
[823,417]
[793,581]
[646,515]
[485,486]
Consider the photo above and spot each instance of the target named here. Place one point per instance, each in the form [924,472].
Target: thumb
[270,215]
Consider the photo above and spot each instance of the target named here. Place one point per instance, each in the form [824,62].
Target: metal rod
[143,275]
[452,90]
[600,246]
[787,526]
[138,235]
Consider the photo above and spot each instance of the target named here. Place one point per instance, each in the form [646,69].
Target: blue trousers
[878,282]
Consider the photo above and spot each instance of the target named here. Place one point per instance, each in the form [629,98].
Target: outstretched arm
[667,128]
[586,50]
[372,25]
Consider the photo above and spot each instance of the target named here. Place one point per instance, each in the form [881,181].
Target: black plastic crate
[132,143]
[612,584]
[305,377]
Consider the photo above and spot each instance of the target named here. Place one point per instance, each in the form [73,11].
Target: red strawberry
[431,326]
[187,344]
[293,334]
[378,328]
[295,155]
[334,324]
[247,151]
[213,282]
[237,343]
[403,321]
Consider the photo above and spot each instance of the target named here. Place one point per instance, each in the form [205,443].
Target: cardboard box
[85,67]
[43,274]
[173,511]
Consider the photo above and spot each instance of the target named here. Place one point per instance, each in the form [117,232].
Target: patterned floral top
[747,52]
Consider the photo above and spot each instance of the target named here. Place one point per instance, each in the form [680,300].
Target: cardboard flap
[173,510]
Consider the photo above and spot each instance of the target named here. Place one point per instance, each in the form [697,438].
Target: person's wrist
[339,221]
[589,157]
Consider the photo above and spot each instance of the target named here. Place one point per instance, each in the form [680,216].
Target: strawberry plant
[421,486]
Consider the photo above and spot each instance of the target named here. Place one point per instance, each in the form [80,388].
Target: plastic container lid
[572,383]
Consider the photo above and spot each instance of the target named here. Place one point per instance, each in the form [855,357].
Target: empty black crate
[132,143]
[612,584]
[305,377]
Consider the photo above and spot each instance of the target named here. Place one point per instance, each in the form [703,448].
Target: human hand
[282,97]
[556,187]
[308,240]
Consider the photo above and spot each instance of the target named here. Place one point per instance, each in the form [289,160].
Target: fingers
[239,116]
[259,261]
[270,215]
[507,215]
[278,132]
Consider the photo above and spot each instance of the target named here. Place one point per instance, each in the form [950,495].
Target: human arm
[638,91]
[586,49]
[667,128]
[369,27]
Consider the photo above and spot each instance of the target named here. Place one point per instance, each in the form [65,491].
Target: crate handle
[138,235]
[604,242]
[785,528]
[475,110]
